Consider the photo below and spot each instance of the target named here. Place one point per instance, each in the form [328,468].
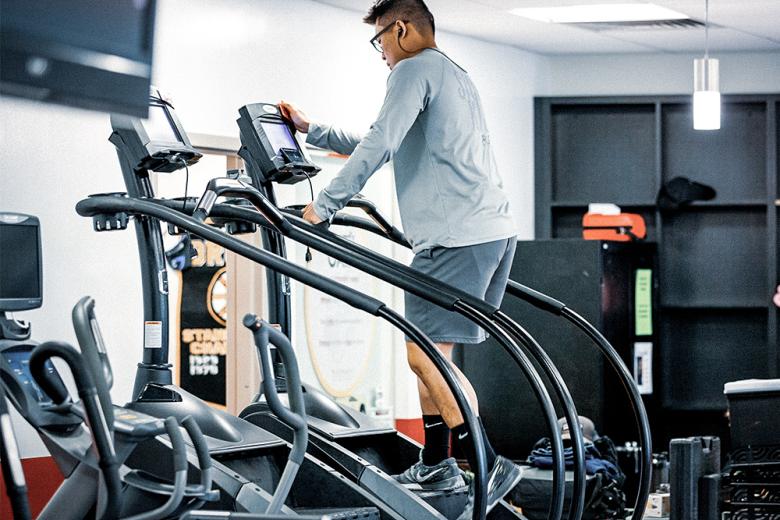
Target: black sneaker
[501,480]
[444,476]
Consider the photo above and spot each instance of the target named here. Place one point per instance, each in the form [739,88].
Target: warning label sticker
[152,334]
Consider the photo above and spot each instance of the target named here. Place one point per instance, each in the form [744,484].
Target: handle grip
[177,444]
[201,449]
[101,431]
[534,297]
[294,417]
[93,350]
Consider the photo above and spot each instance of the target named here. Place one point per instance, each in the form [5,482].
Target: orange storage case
[623,227]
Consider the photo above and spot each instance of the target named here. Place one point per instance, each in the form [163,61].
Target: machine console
[269,147]
[15,370]
[158,143]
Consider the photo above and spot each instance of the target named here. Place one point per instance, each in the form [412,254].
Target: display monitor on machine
[20,281]
[158,126]
[157,143]
[18,360]
[280,136]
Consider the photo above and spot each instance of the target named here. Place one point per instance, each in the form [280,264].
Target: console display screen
[19,259]
[279,135]
[159,127]
[19,361]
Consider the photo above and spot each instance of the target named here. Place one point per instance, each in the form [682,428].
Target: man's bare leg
[422,365]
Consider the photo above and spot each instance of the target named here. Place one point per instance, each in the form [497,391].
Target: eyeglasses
[375,40]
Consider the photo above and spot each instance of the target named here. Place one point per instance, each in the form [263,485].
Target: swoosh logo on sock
[434,424]
[462,436]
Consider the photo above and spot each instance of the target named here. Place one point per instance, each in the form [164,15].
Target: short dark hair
[414,11]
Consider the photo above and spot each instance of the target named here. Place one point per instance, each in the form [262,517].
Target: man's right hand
[296,115]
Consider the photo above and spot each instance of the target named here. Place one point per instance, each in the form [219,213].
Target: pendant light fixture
[706,86]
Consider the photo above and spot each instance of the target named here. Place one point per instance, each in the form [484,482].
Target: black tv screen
[93,54]
[20,263]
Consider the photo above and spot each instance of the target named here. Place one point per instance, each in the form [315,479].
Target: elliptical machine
[89,439]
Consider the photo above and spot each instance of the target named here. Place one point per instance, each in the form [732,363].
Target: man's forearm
[372,152]
[332,138]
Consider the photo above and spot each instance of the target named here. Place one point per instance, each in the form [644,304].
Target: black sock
[466,444]
[437,440]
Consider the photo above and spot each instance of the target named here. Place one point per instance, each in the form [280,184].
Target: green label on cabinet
[643,302]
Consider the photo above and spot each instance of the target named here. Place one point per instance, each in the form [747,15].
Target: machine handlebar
[93,351]
[362,203]
[201,449]
[227,187]
[101,432]
[294,417]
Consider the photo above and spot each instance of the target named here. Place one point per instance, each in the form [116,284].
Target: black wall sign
[202,318]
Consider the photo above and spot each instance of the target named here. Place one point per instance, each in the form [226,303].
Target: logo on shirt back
[468,92]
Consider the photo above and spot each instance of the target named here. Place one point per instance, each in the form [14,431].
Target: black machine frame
[253,153]
[138,155]
[101,205]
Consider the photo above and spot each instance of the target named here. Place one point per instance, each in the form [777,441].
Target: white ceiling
[742,25]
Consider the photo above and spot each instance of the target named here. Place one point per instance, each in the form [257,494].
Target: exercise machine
[255,145]
[89,439]
[246,459]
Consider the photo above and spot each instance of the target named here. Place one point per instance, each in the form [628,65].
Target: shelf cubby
[601,150]
[698,343]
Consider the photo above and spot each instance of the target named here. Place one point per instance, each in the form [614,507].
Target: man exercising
[453,209]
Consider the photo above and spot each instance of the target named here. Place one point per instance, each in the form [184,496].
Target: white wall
[647,74]
[50,158]
[212,57]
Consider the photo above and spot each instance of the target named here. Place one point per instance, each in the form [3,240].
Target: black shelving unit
[718,259]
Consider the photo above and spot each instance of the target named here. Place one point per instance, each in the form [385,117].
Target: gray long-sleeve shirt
[432,126]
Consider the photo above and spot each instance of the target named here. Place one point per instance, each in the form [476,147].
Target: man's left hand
[310,215]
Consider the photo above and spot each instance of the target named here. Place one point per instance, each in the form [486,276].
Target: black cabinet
[600,280]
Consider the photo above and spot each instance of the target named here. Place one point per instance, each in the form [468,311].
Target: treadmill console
[269,147]
[159,142]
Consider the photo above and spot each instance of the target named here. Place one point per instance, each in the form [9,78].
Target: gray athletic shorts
[481,270]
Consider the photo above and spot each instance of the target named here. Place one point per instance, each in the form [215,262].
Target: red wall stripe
[43,478]
[411,427]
